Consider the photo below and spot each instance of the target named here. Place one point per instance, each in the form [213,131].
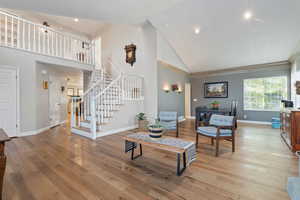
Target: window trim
[264,110]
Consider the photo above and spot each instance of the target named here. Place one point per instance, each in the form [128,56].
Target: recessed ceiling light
[76,20]
[248,15]
[197,30]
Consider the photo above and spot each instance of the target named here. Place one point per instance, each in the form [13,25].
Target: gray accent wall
[235,90]
[172,101]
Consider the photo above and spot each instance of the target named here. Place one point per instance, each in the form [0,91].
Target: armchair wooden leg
[212,141]
[233,143]
[177,132]
[197,136]
[217,147]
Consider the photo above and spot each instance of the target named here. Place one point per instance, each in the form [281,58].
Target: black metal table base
[179,169]
[132,153]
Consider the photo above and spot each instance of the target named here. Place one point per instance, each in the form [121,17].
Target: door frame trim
[18,121]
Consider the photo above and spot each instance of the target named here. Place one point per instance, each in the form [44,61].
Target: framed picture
[70,92]
[216,90]
[79,92]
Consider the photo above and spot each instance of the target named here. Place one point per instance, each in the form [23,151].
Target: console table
[203,114]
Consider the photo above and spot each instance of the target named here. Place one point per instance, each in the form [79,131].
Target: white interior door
[55,99]
[8,101]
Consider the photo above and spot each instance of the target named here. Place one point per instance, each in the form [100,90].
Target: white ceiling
[225,41]
[116,11]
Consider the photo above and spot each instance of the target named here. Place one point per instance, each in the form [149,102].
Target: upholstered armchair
[220,127]
[169,120]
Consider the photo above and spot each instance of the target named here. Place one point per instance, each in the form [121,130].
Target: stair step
[89,121]
[107,110]
[81,128]
[115,104]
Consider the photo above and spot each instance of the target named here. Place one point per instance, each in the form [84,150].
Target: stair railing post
[73,118]
[93,118]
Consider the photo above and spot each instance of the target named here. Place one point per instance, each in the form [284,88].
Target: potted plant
[156,130]
[142,121]
[215,105]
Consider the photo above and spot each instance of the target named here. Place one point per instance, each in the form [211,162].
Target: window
[265,93]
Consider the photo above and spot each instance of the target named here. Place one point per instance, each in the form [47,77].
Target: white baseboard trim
[254,122]
[35,132]
[114,131]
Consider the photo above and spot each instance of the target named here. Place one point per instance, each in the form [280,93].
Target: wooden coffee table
[175,145]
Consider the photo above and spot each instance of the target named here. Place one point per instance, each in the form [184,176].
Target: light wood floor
[56,165]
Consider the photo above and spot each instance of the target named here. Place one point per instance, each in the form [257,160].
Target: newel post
[93,119]
[73,118]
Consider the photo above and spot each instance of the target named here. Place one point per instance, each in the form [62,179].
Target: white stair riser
[88,125]
[104,118]
[82,133]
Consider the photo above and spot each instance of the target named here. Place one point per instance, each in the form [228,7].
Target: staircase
[105,97]
[107,92]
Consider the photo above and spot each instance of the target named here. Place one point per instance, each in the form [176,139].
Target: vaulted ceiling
[225,39]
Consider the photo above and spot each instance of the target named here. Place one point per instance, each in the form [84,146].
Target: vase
[155,132]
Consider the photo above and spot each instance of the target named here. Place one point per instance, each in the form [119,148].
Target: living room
[181,100]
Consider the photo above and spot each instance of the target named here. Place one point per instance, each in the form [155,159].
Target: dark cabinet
[290,128]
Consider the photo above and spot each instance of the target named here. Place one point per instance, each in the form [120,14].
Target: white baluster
[23,39]
[56,44]
[52,43]
[79,111]
[29,37]
[72,113]
[18,33]
[5,35]
[0,28]
[48,41]
[34,40]
[12,32]
[39,40]
[93,119]
[44,42]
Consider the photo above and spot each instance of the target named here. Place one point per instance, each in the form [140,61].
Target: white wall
[144,37]
[295,76]
[167,54]
[26,63]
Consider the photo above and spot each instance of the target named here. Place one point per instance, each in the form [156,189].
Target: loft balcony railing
[19,33]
